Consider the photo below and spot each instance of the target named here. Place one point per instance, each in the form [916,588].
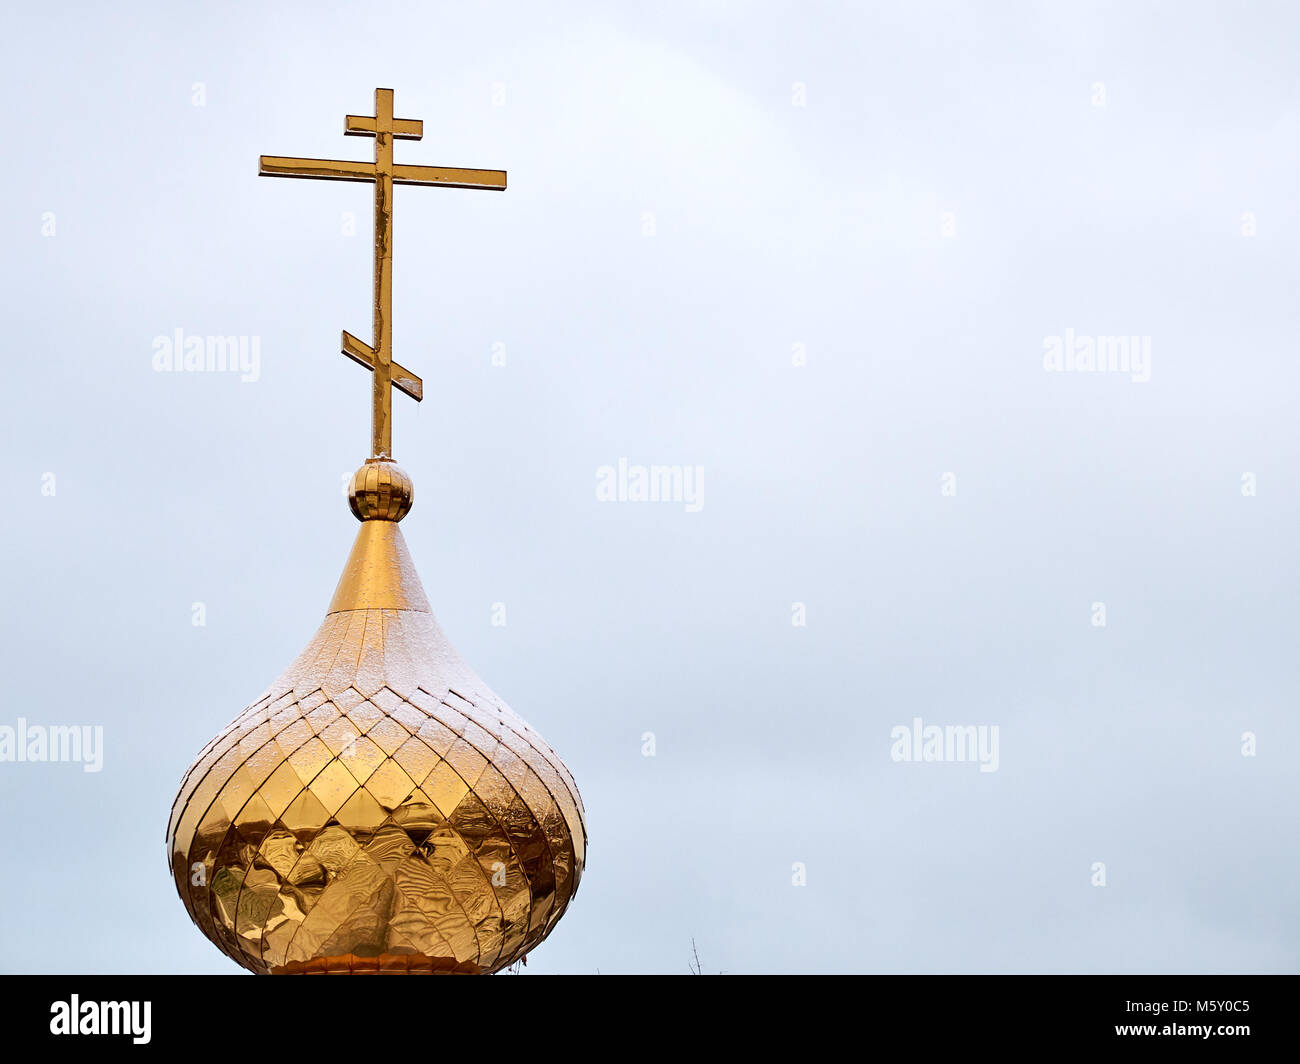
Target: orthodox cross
[384,174]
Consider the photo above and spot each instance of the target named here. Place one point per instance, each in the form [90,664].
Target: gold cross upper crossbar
[384,173]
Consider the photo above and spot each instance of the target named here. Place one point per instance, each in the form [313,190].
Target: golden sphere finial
[380,491]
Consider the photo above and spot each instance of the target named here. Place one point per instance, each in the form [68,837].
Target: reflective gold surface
[378,800]
[378,809]
[379,574]
[381,489]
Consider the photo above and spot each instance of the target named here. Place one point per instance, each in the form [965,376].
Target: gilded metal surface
[377,801]
[378,809]
[380,489]
[379,574]
[384,173]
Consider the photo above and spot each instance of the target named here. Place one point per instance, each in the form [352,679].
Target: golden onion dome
[378,808]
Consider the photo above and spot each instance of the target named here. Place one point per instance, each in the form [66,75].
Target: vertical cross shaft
[381,431]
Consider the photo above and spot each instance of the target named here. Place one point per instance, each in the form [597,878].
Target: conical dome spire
[378,808]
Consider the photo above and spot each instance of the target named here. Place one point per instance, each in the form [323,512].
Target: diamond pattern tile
[327,829]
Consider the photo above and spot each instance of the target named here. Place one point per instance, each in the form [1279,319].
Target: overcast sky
[814,254]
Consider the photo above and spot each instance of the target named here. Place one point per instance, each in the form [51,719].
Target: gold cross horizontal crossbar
[384,173]
[346,170]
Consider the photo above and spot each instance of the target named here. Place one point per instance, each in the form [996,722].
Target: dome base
[384,964]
